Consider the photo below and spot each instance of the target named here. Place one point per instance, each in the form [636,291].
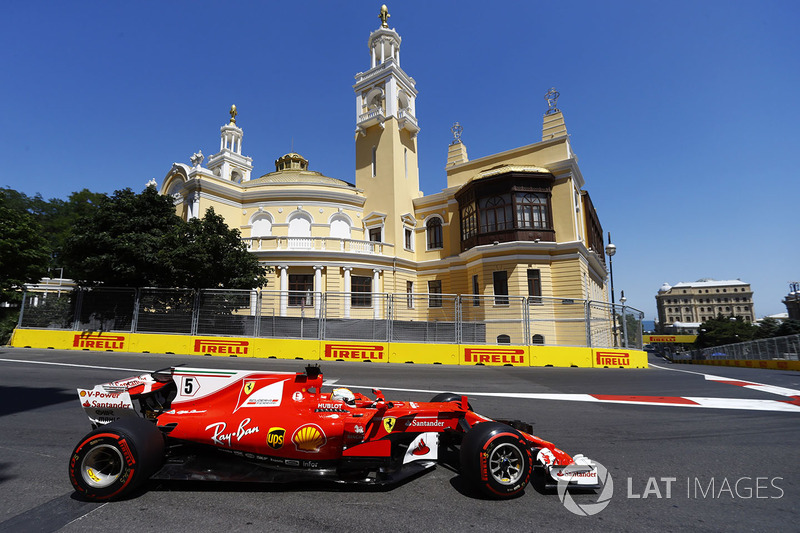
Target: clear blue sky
[684,114]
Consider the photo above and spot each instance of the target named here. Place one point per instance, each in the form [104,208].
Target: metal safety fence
[353,316]
[782,348]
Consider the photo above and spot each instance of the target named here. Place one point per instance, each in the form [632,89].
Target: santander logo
[421,449]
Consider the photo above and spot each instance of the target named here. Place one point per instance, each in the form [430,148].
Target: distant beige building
[514,223]
[685,305]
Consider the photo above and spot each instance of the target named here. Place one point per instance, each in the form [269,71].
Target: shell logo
[309,438]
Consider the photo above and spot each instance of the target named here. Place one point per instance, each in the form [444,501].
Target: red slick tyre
[114,459]
[497,459]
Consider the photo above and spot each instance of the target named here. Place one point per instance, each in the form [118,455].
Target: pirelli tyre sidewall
[497,459]
[115,459]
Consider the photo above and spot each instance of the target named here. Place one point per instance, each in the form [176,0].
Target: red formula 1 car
[182,423]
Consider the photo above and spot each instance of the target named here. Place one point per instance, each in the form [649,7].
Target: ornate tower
[229,163]
[386,137]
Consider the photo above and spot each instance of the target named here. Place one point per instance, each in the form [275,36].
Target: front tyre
[114,459]
[496,459]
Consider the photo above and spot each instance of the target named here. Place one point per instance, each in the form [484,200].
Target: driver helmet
[343,394]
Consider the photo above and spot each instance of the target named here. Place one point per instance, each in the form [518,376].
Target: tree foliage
[24,253]
[137,240]
[55,217]
[724,330]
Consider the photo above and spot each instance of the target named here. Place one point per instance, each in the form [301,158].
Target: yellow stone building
[514,229]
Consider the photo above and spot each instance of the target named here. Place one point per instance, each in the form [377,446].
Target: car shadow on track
[21,399]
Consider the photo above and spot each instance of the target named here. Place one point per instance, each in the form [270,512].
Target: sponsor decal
[495,355]
[185,412]
[129,383]
[275,438]
[123,445]
[309,438]
[324,407]
[389,423]
[546,457]
[574,473]
[221,347]
[359,430]
[421,448]
[269,396]
[297,396]
[613,358]
[685,339]
[100,399]
[97,342]
[221,438]
[354,351]
[425,423]
[424,446]
[249,386]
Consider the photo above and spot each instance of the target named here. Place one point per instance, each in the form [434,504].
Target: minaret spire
[229,163]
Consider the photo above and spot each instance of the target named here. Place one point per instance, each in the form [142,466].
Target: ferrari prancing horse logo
[388,423]
[249,386]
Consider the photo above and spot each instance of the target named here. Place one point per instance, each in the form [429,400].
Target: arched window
[503,339]
[300,231]
[340,226]
[434,229]
[261,226]
[537,339]
[531,210]
[469,224]
[496,213]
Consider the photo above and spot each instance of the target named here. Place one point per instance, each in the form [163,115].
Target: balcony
[370,118]
[316,244]
[408,121]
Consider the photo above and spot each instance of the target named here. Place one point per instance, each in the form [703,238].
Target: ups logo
[275,438]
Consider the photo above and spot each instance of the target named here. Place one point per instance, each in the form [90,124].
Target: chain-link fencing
[353,316]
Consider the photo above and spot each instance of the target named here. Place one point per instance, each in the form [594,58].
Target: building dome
[291,161]
[665,287]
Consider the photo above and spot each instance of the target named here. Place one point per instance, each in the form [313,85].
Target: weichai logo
[613,358]
[220,347]
[96,342]
[506,356]
[354,351]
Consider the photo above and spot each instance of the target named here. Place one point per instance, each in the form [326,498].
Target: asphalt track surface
[731,469]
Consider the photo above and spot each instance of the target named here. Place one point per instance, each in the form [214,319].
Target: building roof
[708,282]
[305,177]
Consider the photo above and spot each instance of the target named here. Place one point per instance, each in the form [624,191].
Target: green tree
[767,328]
[56,217]
[788,327]
[23,251]
[205,253]
[724,330]
[137,240]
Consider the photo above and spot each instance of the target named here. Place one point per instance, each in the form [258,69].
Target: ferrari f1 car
[226,425]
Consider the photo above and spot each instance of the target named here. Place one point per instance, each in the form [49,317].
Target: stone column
[347,289]
[284,289]
[376,304]
[317,289]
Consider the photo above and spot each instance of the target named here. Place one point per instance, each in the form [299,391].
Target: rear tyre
[449,397]
[115,459]
[496,459]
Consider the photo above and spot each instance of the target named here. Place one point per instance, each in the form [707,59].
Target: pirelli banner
[368,351]
[657,339]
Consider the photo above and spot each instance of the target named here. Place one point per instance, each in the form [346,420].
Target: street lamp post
[622,300]
[610,251]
